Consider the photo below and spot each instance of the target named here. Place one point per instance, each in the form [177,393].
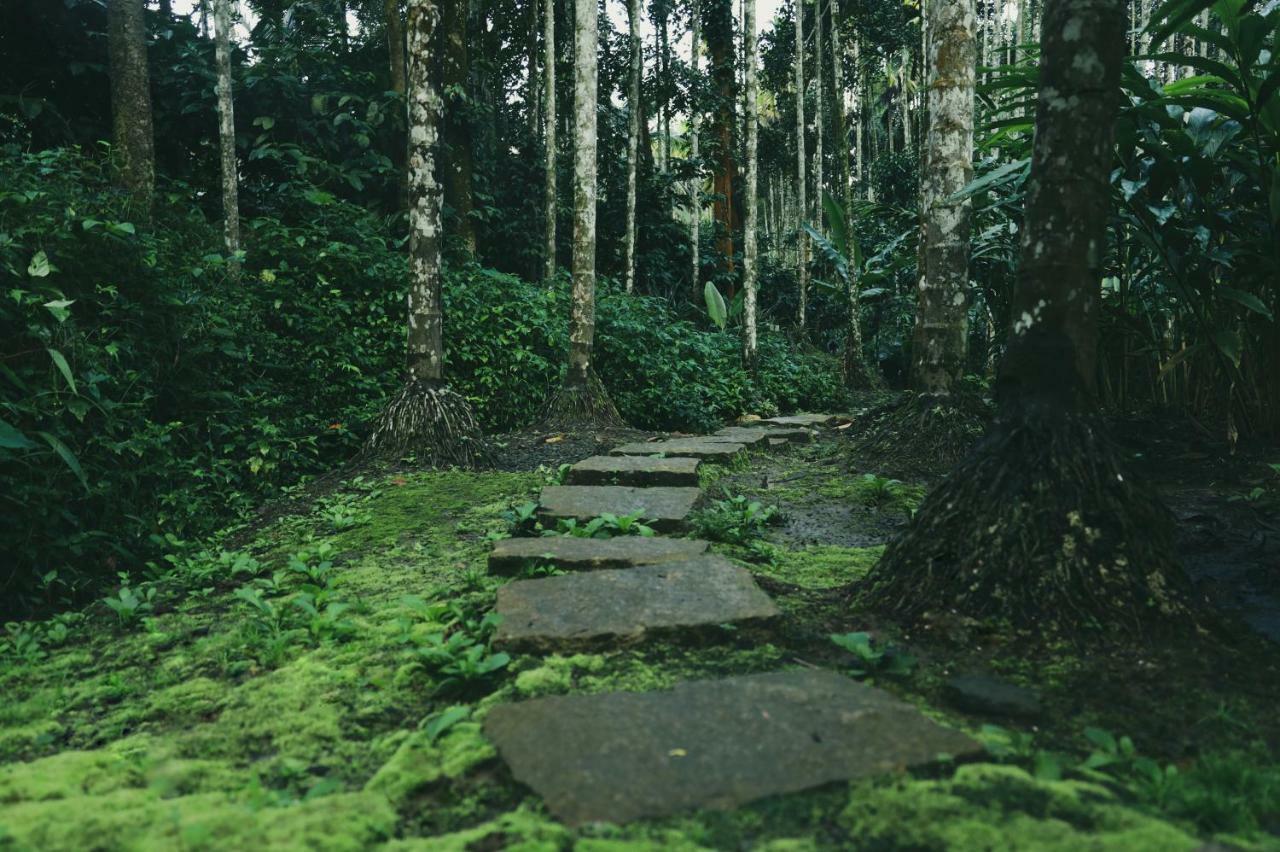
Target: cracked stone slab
[665,509]
[756,434]
[635,470]
[575,610]
[801,420]
[619,756]
[698,448]
[591,554]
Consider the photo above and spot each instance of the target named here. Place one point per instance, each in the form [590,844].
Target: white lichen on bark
[582,318]
[227,133]
[549,135]
[750,264]
[425,338]
[802,253]
[940,343]
[633,138]
[695,129]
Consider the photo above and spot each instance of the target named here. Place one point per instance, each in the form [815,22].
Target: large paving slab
[591,554]
[585,609]
[698,448]
[750,435]
[710,744]
[665,509]
[635,470]
[801,420]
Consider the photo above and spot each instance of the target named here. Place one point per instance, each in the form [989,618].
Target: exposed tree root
[923,431]
[1041,530]
[581,405]
[431,422]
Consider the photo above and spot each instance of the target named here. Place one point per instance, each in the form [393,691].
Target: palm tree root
[1039,529]
[581,405]
[432,423]
[923,432]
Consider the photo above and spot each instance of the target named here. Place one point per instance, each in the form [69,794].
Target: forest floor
[319,680]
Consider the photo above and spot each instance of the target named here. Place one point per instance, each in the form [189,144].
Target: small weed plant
[735,520]
[870,659]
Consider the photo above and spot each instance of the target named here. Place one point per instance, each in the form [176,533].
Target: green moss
[822,566]
[556,674]
[187,701]
[419,762]
[521,830]
[1002,808]
[140,819]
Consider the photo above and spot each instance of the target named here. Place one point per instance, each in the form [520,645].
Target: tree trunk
[940,343]
[819,118]
[133,141]
[695,131]
[395,45]
[750,267]
[227,136]
[633,138]
[456,66]
[425,418]
[549,136]
[1040,528]
[583,321]
[533,89]
[720,45]
[802,264]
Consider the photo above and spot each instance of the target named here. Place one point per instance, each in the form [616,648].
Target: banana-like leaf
[716,308]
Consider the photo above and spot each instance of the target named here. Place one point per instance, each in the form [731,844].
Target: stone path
[713,744]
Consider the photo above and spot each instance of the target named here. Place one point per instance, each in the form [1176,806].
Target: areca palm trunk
[633,139]
[802,260]
[227,136]
[750,265]
[549,136]
[426,419]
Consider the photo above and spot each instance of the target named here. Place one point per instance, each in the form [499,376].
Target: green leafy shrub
[734,520]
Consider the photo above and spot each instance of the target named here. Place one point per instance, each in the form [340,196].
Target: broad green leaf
[58,307]
[1228,343]
[443,721]
[68,457]
[1249,300]
[1006,173]
[39,266]
[716,308]
[11,438]
[64,368]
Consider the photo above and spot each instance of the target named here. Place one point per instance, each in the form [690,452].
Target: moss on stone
[556,674]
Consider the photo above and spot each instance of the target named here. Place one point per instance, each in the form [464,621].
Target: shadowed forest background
[307,305]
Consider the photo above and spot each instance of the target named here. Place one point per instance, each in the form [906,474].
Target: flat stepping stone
[718,744]
[756,434]
[635,470]
[801,420]
[590,554]
[698,448]
[665,509]
[585,609]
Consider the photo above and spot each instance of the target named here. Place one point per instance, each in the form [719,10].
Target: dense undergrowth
[322,685]
[147,396]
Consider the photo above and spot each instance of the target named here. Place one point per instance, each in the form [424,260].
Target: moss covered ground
[319,682]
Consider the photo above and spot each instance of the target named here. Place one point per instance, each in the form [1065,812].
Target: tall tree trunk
[720,45]
[940,343]
[549,136]
[856,373]
[227,136]
[395,46]
[664,85]
[695,132]
[1040,527]
[633,138]
[860,100]
[750,266]
[425,418]
[533,88]
[819,118]
[456,64]
[133,141]
[802,208]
